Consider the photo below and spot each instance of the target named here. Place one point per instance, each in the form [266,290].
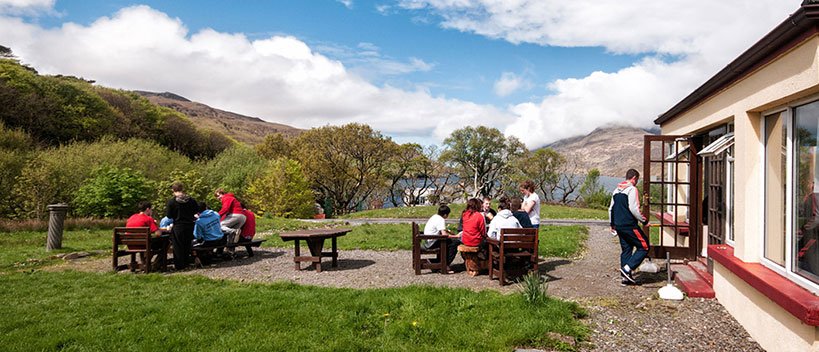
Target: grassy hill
[245,129]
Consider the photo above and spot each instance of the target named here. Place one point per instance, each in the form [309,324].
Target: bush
[282,190]
[195,186]
[54,175]
[113,192]
[593,194]
[233,169]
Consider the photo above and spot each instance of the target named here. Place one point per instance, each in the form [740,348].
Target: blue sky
[414,69]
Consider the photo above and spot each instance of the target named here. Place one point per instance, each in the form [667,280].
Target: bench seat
[247,245]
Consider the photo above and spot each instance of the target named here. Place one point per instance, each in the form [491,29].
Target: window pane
[775,173]
[806,261]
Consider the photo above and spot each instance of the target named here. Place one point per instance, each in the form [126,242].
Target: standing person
[531,202]
[474,224]
[182,209]
[624,214]
[436,225]
[231,215]
[486,209]
[522,216]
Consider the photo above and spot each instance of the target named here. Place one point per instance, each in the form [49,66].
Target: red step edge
[691,282]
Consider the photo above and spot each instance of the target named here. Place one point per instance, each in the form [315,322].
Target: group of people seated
[479,221]
[191,223]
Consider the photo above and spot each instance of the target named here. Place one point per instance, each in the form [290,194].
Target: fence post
[56,217]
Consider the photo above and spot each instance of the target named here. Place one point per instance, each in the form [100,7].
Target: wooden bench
[436,263]
[520,244]
[667,219]
[138,241]
[195,250]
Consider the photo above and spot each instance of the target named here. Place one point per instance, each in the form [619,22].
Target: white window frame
[791,174]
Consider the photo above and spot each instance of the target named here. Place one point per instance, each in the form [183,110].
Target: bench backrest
[133,237]
[519,238]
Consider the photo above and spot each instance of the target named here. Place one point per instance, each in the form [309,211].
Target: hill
[246,129]
[612,150]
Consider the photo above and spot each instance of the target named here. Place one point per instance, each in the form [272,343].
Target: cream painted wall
[760,316]
[792,76]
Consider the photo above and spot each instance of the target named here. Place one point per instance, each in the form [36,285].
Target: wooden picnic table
[315,242]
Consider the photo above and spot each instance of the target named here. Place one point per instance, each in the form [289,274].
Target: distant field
[547,211]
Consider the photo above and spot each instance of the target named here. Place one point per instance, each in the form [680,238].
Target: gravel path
[621,318]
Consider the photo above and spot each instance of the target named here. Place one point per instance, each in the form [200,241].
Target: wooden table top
[314,233]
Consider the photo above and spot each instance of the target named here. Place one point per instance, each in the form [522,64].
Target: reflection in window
[775,176]
[806,260]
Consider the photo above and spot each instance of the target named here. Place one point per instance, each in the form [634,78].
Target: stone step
[692,283]
[702,270]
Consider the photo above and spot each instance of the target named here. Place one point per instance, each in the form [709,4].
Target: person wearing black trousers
[182,209]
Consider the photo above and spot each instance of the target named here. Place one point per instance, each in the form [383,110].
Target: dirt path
[622,318]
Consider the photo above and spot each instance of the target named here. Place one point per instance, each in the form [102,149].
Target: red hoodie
[474,228]
[249,228]
[229,206]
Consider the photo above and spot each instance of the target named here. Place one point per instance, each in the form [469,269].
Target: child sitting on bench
[206,230]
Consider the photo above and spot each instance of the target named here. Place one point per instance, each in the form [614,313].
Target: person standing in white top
[436,225]
[531,202]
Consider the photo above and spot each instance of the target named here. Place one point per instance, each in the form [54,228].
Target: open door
[671,196]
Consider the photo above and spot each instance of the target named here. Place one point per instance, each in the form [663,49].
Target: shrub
[593,193]
[234,168]
[195,186]
[534,288]
[282,190]
[55,175]
[113,192]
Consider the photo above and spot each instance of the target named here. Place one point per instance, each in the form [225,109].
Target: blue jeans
[629,240]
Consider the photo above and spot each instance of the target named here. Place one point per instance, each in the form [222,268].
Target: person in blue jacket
[624,217]
[207,230]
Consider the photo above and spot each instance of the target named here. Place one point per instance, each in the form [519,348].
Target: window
[775,176]
[806,248]
[791,240]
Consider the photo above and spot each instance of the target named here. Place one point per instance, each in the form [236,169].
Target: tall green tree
[282,190]
[481,155]
[345,163]
[543,167]
[592,192]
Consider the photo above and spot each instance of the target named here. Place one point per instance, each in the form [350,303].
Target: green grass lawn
[547,211]
[562,241]
[81,311]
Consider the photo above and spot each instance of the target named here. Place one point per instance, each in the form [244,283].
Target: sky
[416,70]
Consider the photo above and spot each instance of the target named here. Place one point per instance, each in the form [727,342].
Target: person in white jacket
[503,220]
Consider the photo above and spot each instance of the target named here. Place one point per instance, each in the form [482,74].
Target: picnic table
[315,242]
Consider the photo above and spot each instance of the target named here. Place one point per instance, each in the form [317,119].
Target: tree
[275,146]
[593,193]
[346,163]
[571,178]
[401,171]
[543,167]
[282,190]
[480,155]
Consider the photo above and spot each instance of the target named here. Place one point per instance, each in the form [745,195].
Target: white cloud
[26,7]
[279,78]
[366,60]
[509,83]
[686,41]
[346,3]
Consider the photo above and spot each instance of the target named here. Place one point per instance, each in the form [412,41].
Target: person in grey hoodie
[182,210]
[503,220]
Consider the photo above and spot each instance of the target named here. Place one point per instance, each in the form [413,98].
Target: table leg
[316,244]
[298,253]
[335,252]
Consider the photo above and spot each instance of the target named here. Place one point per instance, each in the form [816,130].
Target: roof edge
[785,36]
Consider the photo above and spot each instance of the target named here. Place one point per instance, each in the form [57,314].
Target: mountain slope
[246,129]
[612,150]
